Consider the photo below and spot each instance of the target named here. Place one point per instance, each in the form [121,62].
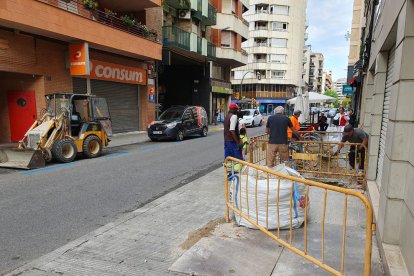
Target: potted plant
[90,4]
[109,13]
[128,20]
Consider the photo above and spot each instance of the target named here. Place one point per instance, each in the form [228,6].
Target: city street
[44,209]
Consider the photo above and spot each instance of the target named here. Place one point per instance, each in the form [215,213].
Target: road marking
[55,167]
[150,148]
[49,168]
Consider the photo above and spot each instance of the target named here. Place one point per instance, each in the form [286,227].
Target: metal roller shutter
[122,101]
[385,112]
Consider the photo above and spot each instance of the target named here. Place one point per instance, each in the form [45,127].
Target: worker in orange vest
[295,122]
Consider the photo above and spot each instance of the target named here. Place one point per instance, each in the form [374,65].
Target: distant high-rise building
[338,87]
[275,53]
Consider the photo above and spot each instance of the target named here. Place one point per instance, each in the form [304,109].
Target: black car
[179,121]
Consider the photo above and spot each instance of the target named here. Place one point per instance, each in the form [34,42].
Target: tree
[333,94]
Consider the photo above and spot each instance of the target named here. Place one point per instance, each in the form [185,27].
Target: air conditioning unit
[184,14]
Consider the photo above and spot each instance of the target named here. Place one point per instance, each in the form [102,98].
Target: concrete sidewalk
[184,232]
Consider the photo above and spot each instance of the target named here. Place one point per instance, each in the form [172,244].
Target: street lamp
[241,83]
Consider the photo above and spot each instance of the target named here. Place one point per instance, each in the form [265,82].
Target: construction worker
[295,122]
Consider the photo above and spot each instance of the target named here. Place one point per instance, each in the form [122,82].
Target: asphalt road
[42,210]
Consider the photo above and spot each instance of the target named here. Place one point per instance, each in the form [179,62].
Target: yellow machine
[71,124]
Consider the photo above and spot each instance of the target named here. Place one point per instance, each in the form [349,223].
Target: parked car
[332,112]
[178,122]
[251,117]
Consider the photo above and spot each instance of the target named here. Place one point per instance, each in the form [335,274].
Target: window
[279,9]
[278,42]
[226,39]
[277,58]
[277,74]
[233,6]
[279,26]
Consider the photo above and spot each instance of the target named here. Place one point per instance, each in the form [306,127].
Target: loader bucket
[21,158]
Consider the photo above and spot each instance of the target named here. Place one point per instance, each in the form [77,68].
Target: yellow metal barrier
[314,156]
[275,176]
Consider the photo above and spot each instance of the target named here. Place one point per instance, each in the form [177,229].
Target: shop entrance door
[22,112]
[269,109]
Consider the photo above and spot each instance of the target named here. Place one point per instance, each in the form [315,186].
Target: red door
[22,112]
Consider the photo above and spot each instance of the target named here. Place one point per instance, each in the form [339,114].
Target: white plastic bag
[245,199]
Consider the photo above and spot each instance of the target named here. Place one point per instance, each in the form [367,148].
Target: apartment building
[387,71]
[316,72]
[355,37]
[201,44]
[275,53]
[307,50]
[35,41]
[338,86]
[327,81]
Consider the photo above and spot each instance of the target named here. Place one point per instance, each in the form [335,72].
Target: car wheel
[252,123]
[204,132]
[64,150]
[179,136]
[92,146]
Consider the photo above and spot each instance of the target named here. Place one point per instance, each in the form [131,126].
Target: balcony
[211,50]
[211,19]
[188,44]
[175,37]
[70,21]
[107,18]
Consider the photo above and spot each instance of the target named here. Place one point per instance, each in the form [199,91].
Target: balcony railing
[261,28]
[174,36]
[243,52]
[199,45]
[260,44]
[211,50]
[260,60]
[107,18]
[212,16]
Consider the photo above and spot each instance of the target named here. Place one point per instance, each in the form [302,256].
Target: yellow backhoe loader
[71,124]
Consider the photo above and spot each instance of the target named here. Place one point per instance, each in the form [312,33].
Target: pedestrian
[277,126]
[355,135]
[352,118]
[216,113]
[342,118]
[245,141]
[295,122]
[322,122]
[232,144]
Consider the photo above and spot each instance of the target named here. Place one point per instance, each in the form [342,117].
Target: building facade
[358,22]
[387,115]
[315,72]
[327,81]
[275,53]
[338,86]
[34,60]
[201,44]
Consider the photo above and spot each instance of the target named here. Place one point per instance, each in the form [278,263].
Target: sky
[329,21]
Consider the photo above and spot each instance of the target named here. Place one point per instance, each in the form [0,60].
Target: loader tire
[64,150]
[92,146]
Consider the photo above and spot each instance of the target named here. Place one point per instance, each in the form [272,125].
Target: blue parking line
[115,154]
[150,148]
[51,168]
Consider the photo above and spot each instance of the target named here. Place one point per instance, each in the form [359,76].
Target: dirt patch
[200,233]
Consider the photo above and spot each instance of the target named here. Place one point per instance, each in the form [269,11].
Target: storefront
[120,86]
[220,101]
[268,105]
